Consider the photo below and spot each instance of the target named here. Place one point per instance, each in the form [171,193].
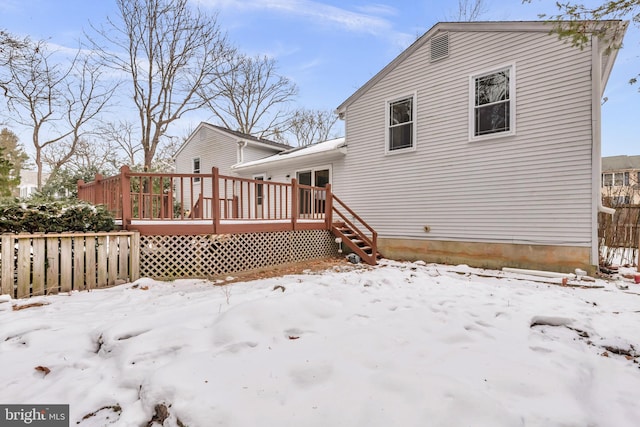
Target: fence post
[134,256]
[215,203]
[294,203]
[125,194]
[328,206]
[8,256]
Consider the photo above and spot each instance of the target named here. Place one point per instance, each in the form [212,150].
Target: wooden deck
[190,204]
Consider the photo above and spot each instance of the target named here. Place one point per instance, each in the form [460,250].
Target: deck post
[294,203]
[328,206]
[81,190]
[98,190]
[125,194]
[215,174]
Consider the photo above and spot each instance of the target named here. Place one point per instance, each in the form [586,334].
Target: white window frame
[512,103]
[616,179]
[196,180]
[260,198]
[414,121]
[313,172]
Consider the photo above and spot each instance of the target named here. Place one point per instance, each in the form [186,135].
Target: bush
[54,217]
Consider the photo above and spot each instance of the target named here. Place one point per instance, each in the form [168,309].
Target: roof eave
[496,26]
[323,155]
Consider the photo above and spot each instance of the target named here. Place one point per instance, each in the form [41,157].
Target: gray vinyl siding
[214,149]
[534,187]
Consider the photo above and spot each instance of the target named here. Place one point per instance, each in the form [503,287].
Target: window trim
[313,170]
[623,181]
[260,193]
[196,180]
[387,116]
[512,103]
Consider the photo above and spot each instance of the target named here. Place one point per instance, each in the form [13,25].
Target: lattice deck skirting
[201,256]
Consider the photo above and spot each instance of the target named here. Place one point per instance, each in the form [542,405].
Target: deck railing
[155,203]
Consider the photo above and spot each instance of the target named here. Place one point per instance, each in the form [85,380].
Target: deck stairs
[356,234]
[356,242]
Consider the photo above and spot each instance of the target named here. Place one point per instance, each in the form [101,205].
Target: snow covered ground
[401,344]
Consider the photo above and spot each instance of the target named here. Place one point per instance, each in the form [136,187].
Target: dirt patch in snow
[302,267]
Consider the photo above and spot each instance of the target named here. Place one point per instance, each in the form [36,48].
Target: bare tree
[9,44]
[123,134]
[252,97]
[468,11]
[579,22]
[308,126]
[169,51]
[88,155]
[164,160]
[56,101]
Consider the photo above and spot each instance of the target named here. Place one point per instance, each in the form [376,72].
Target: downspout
[241,145]
[596,147]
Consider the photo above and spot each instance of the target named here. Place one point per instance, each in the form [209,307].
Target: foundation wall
[489,255]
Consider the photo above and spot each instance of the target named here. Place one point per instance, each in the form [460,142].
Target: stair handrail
[373,241]
[195,209]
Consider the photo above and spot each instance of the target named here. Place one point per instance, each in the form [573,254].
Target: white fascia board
[283,160]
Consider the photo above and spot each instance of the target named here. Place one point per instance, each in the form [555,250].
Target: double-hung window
[401,124]
[196,168]
[493,97]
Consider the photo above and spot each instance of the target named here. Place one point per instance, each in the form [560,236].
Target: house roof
[615,163]
[250,138]
[319,150]
[242,137]
[491,26]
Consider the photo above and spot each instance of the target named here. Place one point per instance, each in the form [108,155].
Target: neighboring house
[214,146]
[29,183]
[621,180]
[479,144]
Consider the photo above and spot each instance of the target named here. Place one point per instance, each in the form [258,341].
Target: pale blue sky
[330,48]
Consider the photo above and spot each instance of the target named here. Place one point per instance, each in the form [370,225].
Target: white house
[479,144]
[214,146]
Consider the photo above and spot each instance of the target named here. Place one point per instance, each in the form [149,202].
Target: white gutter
[596,146]
[596,87]
[241,145]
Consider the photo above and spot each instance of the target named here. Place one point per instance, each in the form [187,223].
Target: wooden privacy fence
[622,230]
[43,264]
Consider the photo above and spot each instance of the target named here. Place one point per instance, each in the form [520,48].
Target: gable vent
[439,47]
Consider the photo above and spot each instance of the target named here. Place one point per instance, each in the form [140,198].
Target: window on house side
[620,200]
[620,179]
[196,168]
[616,179]
[492,103]
[400,126]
